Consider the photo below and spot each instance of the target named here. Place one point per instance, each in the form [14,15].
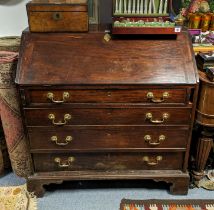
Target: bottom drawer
[108,161]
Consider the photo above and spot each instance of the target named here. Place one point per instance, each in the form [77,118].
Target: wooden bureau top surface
[86,59]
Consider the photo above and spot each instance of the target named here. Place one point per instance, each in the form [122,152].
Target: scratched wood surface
[108,104]
[58,59]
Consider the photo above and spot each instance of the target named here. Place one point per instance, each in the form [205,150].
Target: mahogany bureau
[98,110]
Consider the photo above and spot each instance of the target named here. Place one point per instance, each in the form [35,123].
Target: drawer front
[107,116]
[155,96]
[58,21]
[101,138]
[107,161]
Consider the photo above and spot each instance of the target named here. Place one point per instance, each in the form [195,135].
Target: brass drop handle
[64,164]
[151,97]
[52,117]
[149,117]
[57,16]
[148,139]
[65,96]
[67,140]
[152,162]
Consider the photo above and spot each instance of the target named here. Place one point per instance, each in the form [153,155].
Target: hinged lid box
[58,15]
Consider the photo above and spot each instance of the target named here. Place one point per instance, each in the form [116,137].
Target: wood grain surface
[53,17]
[205,106]
[109,138]
[58,59]
[107,161]
[176,96]
[108,116]
[107,84]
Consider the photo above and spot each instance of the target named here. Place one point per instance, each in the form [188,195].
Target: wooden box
[58,16]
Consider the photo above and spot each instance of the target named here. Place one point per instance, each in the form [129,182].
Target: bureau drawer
[107,116]
[107,138]
[155,96]
[107,161]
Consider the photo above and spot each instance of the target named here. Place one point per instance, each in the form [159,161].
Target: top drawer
[154,96]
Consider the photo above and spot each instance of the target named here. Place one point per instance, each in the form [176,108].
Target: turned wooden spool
[205,107]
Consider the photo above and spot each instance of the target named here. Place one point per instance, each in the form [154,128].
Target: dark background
[105,10]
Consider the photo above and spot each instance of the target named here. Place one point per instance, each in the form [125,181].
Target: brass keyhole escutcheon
[107,37]
[109,94]
[57,16]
